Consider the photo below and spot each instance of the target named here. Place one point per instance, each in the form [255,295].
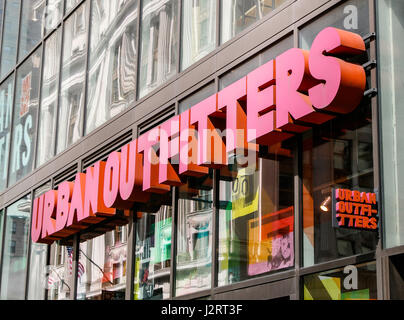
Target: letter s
[343,83]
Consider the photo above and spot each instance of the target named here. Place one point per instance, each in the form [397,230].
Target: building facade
[81,79]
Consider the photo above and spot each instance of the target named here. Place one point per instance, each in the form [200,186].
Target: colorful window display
[153,255]
[194,234]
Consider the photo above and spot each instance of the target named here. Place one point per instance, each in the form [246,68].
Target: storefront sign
[355,209]
[270,245]
[285,96]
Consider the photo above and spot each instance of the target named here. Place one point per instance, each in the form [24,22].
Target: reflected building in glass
[82,79]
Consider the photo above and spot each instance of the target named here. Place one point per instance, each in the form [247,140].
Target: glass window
[102,266]
[237,15]
[396,277]
[349,283]
[60,273]
[159,43]
[49,99]
[253,63]
[352,16]
[25,117]
[15,251]
[153,255]
[196,97]
[198,30]
[391,27]
[53,14]
[239,71]
[1,232]
[32,22]
[1,14]
[112,75]
[194,235]
[70,4]
[256,217]
[337,154]
[10,36]
[6,109]
[70,119]
[37,277]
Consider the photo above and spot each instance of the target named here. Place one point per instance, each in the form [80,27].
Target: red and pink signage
[286,96]
[355,209]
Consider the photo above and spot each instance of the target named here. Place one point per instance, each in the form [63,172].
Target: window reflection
[153,255]
[6,109]
[197,96]
[25,117]
[256,217]
[1,231]
[1,15]
[49,99]
[253,63]
[102,266]
[59,281]
[239,14]
[32,23]
[391,66]
[70,4]
[334,155]
[53,14]
[194,235]
[337,154]
[10,36]
[15,250]
[158,61]
[73,78]
[340,18]
[198,30]
[112,76]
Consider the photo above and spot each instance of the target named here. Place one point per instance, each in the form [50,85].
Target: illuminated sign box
[354,209]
